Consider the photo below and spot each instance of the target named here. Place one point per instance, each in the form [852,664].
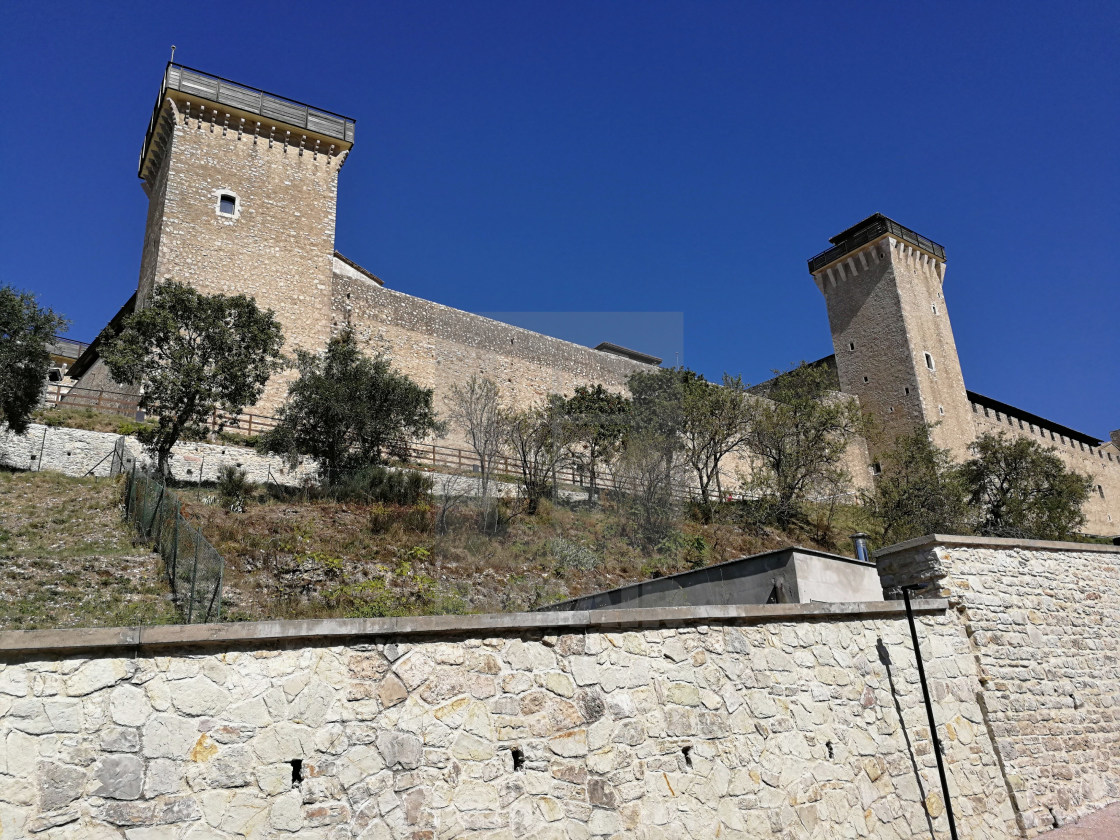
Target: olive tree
[798,435]
[1019,488]
[26,332]
[347,411]
[193,354]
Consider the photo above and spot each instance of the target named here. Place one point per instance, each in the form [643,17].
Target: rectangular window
[227,205]
[929,361]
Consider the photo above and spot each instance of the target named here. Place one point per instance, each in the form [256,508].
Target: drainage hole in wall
[518,759]
[828,746]
[687,753]
[297,770]
[1053,819]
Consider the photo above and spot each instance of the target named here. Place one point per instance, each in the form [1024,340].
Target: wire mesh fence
[193,566]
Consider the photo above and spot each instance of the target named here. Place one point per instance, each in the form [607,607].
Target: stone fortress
[243,187]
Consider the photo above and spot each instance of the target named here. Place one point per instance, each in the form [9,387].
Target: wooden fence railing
[432,455]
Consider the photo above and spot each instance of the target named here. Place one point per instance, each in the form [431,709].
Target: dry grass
[67,559]
[297,559]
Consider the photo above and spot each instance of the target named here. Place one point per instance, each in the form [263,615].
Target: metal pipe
[929,714]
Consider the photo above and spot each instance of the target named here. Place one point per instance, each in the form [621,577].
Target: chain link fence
[194,568]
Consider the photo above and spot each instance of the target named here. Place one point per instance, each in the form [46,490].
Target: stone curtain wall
[721,722]
[439,347]
[1044,623]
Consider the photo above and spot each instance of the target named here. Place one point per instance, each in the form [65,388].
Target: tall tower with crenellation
[242,188]
[894,344]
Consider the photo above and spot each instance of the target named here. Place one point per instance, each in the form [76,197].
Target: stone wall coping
[995,542]
[131,640]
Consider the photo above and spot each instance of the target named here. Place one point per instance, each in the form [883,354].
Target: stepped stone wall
[1044,624]
[795,721]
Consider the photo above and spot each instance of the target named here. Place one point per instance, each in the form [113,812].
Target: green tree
[192,354]
[1021,489]
[595,421]
[537,439]
[797,436]
[715,422]
[919,490]
[348,411]
[706,421]
[26,333]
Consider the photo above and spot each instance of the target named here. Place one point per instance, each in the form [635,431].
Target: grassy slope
[289,559]
[67,559]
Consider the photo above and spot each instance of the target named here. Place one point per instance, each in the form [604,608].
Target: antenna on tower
[172,53]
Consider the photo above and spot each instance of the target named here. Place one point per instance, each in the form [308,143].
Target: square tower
[893,341]
[242,188]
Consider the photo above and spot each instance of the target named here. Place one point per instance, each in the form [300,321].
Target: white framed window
[227,204]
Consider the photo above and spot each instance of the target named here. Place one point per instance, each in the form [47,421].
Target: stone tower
[890,329]
[242,188]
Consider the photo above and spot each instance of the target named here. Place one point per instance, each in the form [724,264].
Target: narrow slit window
[929,362]
[851,346]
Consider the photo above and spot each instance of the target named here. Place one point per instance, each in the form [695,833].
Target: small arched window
[227,203]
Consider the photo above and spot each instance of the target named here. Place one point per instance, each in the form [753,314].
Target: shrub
[381,485]
[234,488]
[572,555]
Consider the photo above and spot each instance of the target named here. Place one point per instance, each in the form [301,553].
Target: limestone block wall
[77,451]
[1102,510]
[734,722]
[440,347]
[1044,624]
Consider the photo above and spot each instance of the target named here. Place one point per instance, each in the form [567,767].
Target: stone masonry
[788,721]
[1043,621]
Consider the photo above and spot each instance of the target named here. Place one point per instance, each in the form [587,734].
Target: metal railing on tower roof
[216,89]
[868,231]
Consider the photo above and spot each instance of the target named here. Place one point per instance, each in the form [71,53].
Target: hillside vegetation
[67,559]
[300,559]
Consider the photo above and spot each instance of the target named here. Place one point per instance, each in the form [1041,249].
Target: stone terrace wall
[77,451]
[1044,624]
[729,722]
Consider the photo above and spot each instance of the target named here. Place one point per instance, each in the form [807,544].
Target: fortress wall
[1102,513]
[1044,623]
[732,722]
[439,347]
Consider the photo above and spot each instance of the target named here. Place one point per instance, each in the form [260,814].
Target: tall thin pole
[929,715]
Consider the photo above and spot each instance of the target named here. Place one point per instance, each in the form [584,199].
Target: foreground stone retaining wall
[1044,624]
[792,721]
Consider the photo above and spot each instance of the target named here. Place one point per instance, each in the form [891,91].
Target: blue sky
[629,157]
